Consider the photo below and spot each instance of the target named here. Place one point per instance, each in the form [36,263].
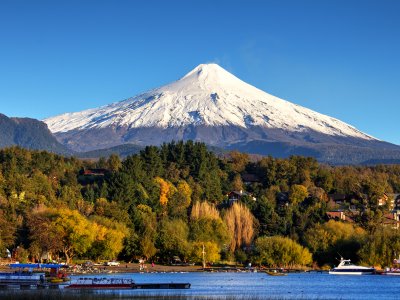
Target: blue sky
[340,58]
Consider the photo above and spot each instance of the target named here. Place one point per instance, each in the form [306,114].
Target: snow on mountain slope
[208,96]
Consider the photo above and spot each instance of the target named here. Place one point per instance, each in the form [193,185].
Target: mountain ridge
[28,133]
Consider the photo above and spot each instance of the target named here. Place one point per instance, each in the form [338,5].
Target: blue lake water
[240,286]
[263,286]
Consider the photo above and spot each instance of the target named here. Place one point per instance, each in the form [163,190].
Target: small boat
[395,270]
[392,272]
[276,273]
[345,267]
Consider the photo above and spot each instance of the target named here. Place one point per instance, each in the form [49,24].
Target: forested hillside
[171,200]
[28,133]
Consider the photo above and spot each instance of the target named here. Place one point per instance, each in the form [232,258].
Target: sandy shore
[124,268]
[134,268]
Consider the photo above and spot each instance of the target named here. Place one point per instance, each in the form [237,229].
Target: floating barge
[98,284]
[25,278]
[22,280]
[120,283]
[101,283]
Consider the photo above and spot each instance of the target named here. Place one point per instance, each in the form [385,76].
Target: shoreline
[122,268]
[158,268]
[135,268]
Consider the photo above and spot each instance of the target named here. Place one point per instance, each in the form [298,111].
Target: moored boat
[276,273]
[26,277]
[392,272]
[395,270]
[21,277]
[345,267]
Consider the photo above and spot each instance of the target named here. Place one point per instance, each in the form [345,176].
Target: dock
[38,285]
[161,286]
[25,280]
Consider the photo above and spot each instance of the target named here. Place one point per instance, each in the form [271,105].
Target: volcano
[211,105]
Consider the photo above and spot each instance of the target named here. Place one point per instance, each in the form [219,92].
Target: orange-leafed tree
[166,190]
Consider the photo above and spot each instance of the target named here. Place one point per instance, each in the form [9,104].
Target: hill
[30,134]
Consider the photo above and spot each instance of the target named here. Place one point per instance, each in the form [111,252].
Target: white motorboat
[345,267]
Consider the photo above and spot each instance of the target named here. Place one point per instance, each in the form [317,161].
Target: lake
[253,286]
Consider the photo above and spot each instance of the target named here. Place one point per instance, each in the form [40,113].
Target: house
[339,216]
[282,199]
[249,179]
[382,200]
[336,215]
[344,202]
[391,220]
[394,201]
[95,172]
[391,200]
[92,175]
[238,195]
[337,199]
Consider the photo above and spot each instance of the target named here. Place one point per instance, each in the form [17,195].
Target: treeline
[172,200]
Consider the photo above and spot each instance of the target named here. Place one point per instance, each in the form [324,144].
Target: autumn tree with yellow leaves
[166,190]
[278,251]
[180,201]
[206,225]
[240,223]
[63,230]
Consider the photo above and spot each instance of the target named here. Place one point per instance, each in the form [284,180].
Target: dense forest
[175,199]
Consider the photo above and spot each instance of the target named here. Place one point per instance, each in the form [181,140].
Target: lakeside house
[392,220]
[95,172]
[339,201]
[396,198]
[235,196]
[339,216]
[391,200]
[345,212]
[249,179]
[92,175]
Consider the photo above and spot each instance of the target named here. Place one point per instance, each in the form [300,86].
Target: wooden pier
[38,285]
[161,285]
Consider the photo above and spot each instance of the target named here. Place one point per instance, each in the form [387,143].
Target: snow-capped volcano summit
[208,95]
[211,105]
